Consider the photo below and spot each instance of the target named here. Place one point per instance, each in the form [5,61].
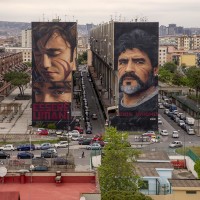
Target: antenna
[3,171]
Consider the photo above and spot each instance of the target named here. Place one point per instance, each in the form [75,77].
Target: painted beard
[141,86]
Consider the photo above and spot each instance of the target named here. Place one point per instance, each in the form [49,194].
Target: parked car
[59,132]
[88,131]
[175,144]
[7,147]
[160,121]
[94,146]
[175,134]
[39,168]
[94,116]
[97,137]
[25,147]
[181,123]
[164,132]
[49,153]
[74,132]
[62,144]
[86,141]
[60,161]
[166,111]
[76,138]
[4,155]
[42,132]
[40,161]
[25,155]
[149,133]
[190,131]
[101,142]
[46,146]
[79,129]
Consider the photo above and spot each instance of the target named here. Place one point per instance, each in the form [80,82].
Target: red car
[43,132]
[79,129]
[97,138]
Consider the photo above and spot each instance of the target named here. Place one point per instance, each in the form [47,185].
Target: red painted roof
[48,191]
[9,195]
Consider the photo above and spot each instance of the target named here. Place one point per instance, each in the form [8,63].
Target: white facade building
[27,38]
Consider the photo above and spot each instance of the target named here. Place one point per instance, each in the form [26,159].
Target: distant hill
[12,28]
[15,28]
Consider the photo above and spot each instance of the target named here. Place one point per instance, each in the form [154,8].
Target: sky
[181,12]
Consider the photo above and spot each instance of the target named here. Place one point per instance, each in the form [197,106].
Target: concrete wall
[189,163]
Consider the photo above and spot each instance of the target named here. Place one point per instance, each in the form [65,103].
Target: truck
[190,121]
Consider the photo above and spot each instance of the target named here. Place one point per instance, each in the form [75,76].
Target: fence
[192,155]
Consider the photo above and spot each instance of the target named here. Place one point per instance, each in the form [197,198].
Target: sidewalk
[18,124]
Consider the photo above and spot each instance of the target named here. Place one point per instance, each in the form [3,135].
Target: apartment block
[26,52]
[27,38]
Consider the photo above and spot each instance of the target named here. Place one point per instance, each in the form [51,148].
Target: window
[145,185]
[191,192]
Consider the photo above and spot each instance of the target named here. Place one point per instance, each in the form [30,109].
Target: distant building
[27,38]
[9,62]
[188,60]
[26,52]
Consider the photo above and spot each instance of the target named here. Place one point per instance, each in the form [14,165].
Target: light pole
[67,132]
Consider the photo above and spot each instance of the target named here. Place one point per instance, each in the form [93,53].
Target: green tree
[29,64]
[179,79]
[51,126]
[197,168]
[170,66]
[18,79]
[193,75]
[117,175]
[164,75]
[82,58]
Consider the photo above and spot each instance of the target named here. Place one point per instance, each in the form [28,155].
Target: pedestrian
[83,154]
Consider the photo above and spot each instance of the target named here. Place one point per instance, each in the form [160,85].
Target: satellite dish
[3,171]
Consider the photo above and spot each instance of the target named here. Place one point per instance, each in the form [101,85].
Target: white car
[175,144]
[7,147]
[76,138]
[94,146]
[62,144]
[164,132]
[74,132]
[160,121]
[175,134]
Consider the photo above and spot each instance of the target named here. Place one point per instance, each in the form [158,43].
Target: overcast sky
[181,12]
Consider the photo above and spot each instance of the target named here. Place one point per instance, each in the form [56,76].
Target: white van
[190,131]
[190,120]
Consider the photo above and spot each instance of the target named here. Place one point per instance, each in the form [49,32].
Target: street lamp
[67,132]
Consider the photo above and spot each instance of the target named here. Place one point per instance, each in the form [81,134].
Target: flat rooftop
[49,191]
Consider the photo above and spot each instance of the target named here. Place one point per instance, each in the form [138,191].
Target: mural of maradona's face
[135,71]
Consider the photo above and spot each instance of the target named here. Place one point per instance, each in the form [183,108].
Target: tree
[82,58]
[197,168]
[164,75]
[117,175]
[170,66]
[18,79]
[179,79]
[193,75]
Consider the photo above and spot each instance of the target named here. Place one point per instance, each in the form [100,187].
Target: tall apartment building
[162,55]
[27,38]
[186,42]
